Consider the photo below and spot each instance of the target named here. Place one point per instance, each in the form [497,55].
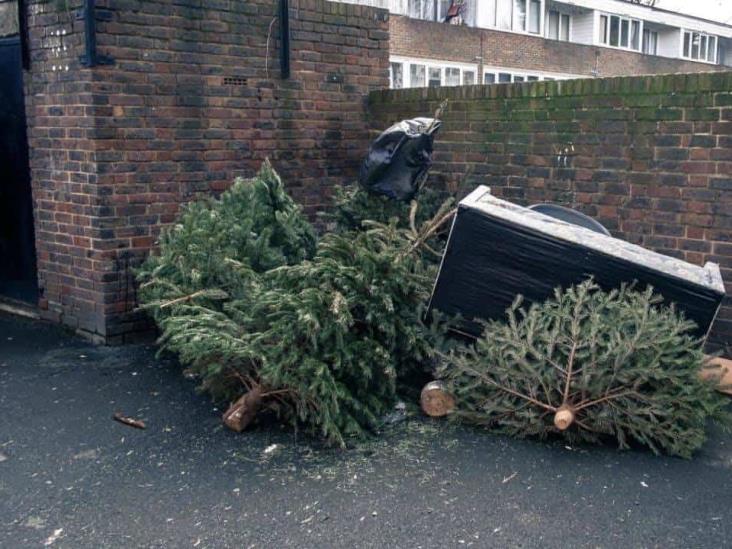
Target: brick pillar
[192,100]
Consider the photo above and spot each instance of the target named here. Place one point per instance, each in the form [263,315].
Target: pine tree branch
[244,381]
[432,229]
[586,427]
[184,299]
[509,390]
[274,393]
[413,216]
[570,365]
[614,396]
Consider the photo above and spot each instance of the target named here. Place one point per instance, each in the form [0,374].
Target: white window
[452,76]
[517,15]
[534,17]
[524,78]
[620,32]
[698,46]
[396,75]
[624,33]
[635,35]
[436,10]
[422,9]
[712,51]
[417,75]
[650,42]
[501,76]
[435,77]
[557,25]
[504,13]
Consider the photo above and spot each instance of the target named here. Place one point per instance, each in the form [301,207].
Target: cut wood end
[564,418]
[720,370]
[436,401]
[242,412]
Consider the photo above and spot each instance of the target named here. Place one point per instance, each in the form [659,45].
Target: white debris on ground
[271,451]
[53,537]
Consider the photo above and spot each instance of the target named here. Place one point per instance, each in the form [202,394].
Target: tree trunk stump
[436,401]
[720,367]
[243,411]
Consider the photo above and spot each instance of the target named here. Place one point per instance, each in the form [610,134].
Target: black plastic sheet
[492,257]
[399,158]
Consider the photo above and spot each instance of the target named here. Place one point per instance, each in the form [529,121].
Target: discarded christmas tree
[216,246]
[322,340]
[589,364]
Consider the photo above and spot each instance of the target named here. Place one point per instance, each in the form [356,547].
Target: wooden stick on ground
[136,423]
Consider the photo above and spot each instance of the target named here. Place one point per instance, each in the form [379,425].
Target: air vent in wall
[234,81]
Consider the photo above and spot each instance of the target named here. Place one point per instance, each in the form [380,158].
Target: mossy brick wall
[193,99]
[649,157]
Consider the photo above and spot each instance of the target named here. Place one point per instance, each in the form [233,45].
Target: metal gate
[18,278]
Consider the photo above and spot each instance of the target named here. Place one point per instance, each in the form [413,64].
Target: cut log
[564,418]
[436,401]
[720,368]
[243,411]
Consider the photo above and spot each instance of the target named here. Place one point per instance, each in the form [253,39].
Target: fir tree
[352,205]
[216,246]
[321,339]
[354,208]
[589,364]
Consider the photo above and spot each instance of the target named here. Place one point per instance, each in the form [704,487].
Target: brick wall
[431,40]
[649,157]
[193,99]
[63,173]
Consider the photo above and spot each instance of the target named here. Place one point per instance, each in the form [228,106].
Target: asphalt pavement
[71,477]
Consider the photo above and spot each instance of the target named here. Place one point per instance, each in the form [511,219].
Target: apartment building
[493,41]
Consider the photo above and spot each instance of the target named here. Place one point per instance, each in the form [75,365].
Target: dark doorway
[18,280]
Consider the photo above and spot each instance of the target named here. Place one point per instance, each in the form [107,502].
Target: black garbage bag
[399,158]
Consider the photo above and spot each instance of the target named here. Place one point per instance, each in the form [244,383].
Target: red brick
[117,149]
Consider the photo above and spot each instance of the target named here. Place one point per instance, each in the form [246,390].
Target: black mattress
[497,250]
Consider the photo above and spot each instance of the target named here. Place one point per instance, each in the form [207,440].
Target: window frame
[561,17]
[653,39]
[436,10]
[523,76]
[429,65]
[507,13]
[624,31]
[451,68]
[391,74]
[431,71]
[687,48]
